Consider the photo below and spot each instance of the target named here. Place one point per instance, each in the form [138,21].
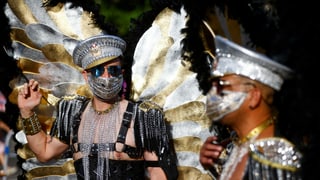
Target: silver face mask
[218,106]
[105,88]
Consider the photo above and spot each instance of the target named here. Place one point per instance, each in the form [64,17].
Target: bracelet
[31,125]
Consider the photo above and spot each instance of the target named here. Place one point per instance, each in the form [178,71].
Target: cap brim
[101,61]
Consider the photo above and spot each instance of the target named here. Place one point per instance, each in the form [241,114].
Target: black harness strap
[127,117]
[95,148]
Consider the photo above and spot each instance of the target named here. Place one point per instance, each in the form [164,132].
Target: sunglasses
[113,71]
[221,84]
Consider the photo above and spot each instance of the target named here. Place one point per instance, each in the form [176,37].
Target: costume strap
[133,152]
[127,117]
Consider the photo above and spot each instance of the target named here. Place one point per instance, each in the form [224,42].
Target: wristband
[31,125]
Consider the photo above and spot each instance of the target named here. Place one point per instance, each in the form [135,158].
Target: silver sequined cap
[97,50]
[234,59]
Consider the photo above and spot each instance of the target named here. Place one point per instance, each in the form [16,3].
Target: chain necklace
[106,111]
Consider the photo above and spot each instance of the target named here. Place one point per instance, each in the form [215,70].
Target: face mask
[105,88]
[220,105]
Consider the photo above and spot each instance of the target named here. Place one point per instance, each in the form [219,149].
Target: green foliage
[120,12]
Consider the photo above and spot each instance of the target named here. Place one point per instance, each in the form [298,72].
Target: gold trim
[20,36]
[273,164]
[183,144]
[66,169]
[22,11]
[188,172]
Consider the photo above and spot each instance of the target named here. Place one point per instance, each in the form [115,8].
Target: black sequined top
[150,131]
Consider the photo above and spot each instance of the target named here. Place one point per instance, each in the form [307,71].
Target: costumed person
[42,37]
[272,29]
[110,137]
[244,86]
[171,47]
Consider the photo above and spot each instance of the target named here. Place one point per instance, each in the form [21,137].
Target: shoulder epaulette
[276,152]
[147,105]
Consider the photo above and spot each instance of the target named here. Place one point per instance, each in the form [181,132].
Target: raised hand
[29,97]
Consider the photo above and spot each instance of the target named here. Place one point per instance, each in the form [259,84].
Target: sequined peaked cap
[235,59]
[97,50]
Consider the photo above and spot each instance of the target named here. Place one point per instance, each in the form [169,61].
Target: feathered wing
[159,74]
[43,41]
[43,38]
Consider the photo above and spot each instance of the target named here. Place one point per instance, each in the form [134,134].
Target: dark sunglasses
[114,71]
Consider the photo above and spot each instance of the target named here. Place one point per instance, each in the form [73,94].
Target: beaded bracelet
[31,125]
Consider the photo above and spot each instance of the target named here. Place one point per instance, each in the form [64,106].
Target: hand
[28,98]
[210,152]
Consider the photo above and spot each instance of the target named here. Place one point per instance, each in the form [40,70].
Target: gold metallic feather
[159,74]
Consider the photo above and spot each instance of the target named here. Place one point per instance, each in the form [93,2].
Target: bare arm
[157,143]
[154,172]
[44,147]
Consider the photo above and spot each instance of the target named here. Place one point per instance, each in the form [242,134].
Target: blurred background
[120,12]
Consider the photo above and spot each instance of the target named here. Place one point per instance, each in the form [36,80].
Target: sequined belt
[96,148]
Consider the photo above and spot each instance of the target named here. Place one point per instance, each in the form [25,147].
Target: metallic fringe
[69,109]
[154,131]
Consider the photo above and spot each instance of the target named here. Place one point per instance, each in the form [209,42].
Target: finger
[215,147]
[31,81]
[206,162]
[211,138]
[212,154]
[35,86]
[25,89]
[32,84]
